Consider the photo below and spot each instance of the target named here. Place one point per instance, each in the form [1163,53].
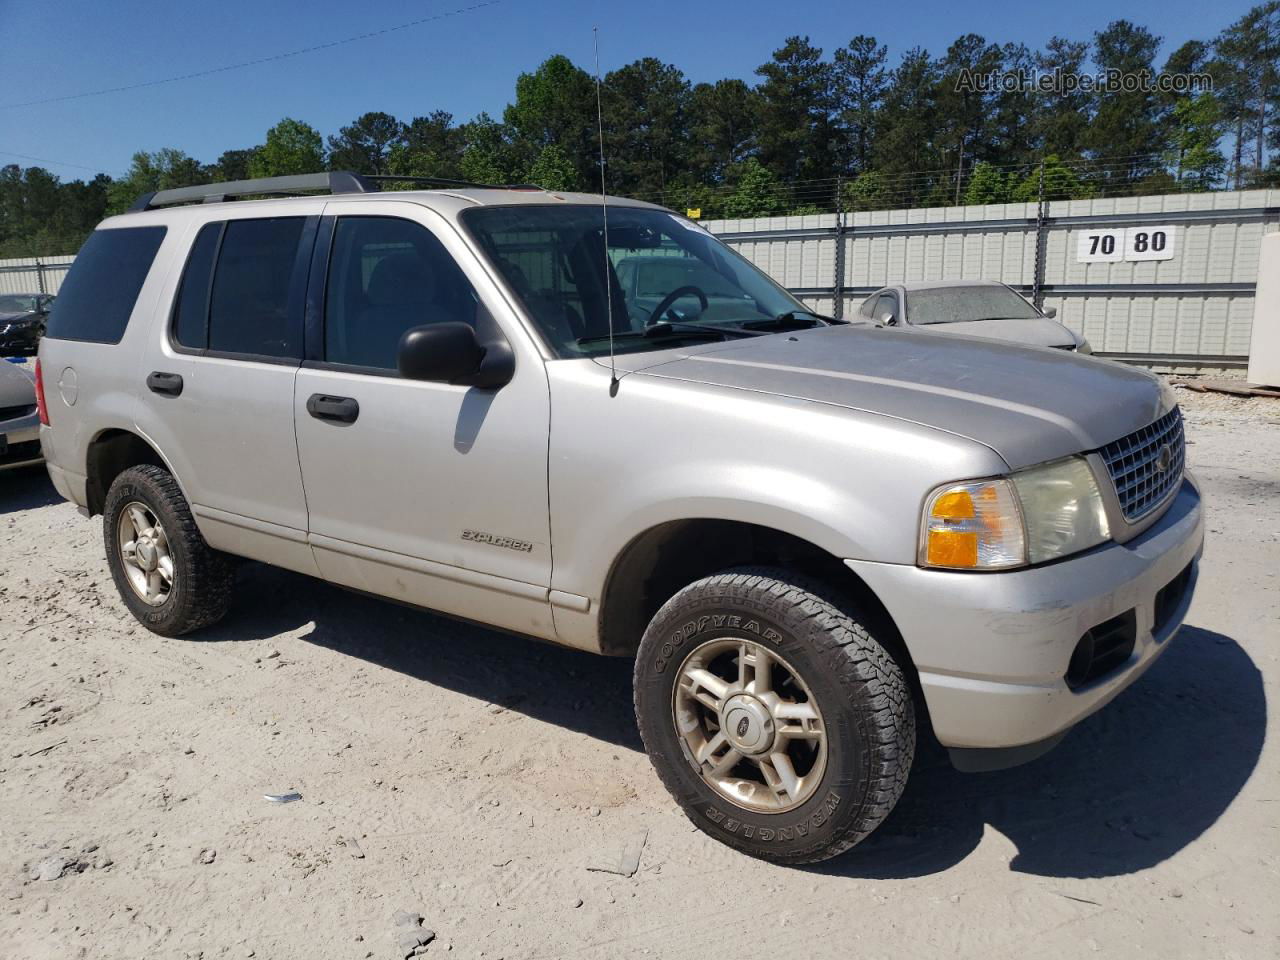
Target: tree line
[852,129]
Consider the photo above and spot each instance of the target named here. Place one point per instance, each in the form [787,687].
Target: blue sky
[463,64]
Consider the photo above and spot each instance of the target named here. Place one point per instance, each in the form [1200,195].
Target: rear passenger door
[220,385]
[427,492]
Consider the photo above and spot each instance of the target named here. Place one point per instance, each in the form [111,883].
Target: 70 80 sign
[1131,243]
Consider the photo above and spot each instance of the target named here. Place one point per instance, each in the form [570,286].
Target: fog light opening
[1081,662]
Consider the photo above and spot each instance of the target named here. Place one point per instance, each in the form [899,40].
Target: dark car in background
[23,317]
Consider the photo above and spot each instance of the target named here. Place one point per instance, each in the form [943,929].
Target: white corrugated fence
[33,274]
[1193,306]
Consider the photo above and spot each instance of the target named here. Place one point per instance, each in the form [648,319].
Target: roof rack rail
[445,182]
[338,181]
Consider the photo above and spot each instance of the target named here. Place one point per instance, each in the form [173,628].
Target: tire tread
[208,573]
[823,618]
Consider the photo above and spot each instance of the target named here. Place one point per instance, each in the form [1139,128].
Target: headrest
[404,278]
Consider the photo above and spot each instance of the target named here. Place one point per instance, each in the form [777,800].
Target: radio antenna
[604,209]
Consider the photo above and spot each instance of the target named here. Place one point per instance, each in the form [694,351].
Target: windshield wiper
[667,331]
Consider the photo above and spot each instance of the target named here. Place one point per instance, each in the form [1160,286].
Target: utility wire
[252,63]
[56,163]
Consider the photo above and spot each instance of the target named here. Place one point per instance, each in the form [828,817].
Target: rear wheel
[168,577]
[773,715]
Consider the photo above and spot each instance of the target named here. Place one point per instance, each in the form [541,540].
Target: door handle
[169,384]
[339,409]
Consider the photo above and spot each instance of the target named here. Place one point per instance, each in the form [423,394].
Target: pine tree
[723,118]
[909,121]
[646,124]
[1060,119]
[1126,123]
[795,133]
[364,146]
[860,83]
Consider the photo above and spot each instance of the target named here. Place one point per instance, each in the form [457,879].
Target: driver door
[424,492]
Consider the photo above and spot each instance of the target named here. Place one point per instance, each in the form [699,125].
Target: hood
[10,317]
[1035,331]
[17,386]
[1028,405]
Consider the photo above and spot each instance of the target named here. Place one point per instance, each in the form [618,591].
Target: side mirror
[451,353]
[1050,312]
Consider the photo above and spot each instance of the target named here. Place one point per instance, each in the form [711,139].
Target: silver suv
[810,537]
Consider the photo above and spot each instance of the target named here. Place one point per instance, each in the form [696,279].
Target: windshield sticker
[687,224]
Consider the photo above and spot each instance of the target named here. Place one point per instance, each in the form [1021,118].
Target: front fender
[661,450]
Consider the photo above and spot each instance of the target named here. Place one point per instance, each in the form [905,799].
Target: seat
[402,294]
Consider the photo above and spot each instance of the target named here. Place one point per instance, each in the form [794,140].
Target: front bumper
[21,442]
[992,649]
[21,342]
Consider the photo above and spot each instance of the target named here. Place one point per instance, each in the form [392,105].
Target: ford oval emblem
[743,726]
[1164,458]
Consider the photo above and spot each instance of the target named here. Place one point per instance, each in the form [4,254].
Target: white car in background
[972,308]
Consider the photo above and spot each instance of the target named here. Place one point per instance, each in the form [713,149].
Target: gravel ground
[475,779]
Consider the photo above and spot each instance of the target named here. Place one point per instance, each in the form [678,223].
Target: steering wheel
[669,301]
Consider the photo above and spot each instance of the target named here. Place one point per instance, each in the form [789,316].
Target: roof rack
[338,181]
[444,182]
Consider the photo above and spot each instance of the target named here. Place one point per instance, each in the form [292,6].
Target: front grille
[1146,466]
[14,413]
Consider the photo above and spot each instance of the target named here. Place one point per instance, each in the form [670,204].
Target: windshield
[957,304]
[17,303]
[666,276]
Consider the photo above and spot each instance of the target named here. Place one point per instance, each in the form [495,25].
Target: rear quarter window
[102,286]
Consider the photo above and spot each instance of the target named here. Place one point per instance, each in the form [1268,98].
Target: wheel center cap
[146,554]
[747,724]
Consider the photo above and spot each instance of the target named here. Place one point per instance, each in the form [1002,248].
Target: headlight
[1062,509]
[1083,346]
[1033,516]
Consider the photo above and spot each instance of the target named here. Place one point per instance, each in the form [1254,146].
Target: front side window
[658,270]
[886,308]
[249,308]
[387,275]
[98,296]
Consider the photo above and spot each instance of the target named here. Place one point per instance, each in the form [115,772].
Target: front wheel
[775,718]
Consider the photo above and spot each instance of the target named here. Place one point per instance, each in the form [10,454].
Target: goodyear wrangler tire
[169,578]
[773,716]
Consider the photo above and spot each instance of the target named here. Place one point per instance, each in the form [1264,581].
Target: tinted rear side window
[98,295]
[191,314]
[249,310]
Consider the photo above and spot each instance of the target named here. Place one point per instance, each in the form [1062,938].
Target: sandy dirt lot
[475,779]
